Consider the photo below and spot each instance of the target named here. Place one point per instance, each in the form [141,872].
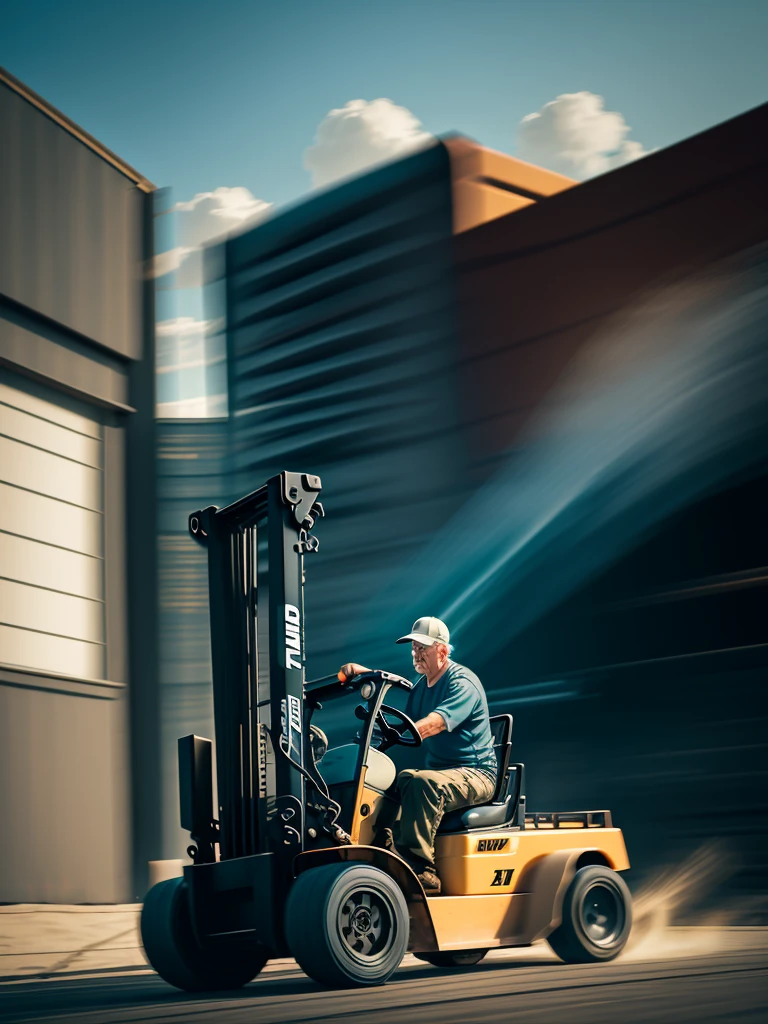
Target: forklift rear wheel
[347,925]
[458,958]
[171,948]
[597,917]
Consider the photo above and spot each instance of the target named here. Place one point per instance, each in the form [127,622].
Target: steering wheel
[404,732]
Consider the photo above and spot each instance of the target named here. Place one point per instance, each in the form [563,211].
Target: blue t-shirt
[459,697]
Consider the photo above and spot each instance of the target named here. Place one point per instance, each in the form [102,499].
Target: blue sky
[201,95]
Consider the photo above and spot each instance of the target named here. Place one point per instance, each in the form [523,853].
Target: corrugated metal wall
[342,352]
[72,231]
[191,475]
[74,353]
[52,540]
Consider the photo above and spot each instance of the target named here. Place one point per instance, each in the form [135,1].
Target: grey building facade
[77,511]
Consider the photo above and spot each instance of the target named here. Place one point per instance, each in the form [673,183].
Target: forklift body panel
[487,863]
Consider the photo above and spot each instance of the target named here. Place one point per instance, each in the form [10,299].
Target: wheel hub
[361,920]
[602,914]
[366,923]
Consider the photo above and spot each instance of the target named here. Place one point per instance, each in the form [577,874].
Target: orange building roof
[487,184]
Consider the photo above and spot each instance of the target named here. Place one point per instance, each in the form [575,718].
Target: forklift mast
[256,548]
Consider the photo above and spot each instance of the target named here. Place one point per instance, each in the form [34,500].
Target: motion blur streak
[660,409]
[673,891]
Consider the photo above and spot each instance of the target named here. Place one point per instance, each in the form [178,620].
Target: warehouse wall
[610,345]
[535,287]
[341,352]
[613,354]
[74,352]
[191,475]
[72,230]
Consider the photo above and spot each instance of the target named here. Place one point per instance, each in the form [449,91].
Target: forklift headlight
[366,690]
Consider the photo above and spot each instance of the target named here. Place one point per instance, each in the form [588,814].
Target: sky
[277,97]
[201,95]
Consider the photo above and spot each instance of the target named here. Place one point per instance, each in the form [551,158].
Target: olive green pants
[425,796]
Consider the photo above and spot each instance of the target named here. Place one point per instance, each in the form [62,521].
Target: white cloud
[360,135]
[182,344]
[575,135]
[202,407]
[185,325]
[190,361]
[208,216]
[211,214]
[168,261]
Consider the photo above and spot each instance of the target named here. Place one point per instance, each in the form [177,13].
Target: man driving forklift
[286,868]
[449,707]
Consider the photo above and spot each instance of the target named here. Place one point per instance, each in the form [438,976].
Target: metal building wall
[76,373]
[626,629]
[191,474]
[341,353]
[52,545]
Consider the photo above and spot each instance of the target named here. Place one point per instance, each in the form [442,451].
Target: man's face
[427,660]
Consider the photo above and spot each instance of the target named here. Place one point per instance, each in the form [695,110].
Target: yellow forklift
[286,866]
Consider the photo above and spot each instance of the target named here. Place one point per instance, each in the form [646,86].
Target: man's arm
[431,725]
[457,705]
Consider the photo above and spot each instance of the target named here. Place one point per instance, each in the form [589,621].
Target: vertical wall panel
[71,230]
[191,475]
[47,621]
[63,761]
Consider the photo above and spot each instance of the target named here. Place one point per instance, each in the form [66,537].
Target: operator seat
[500,809]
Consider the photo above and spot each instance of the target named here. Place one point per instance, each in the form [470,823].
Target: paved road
[522,986]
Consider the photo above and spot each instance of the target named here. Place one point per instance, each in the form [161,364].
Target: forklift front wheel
[459,958]
[347,925]
[171,948]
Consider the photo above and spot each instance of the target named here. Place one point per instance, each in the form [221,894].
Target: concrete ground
[685,976]
[46,941]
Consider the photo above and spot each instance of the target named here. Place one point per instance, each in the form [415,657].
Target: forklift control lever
[375,674]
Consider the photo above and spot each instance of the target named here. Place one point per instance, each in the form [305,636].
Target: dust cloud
[673,895]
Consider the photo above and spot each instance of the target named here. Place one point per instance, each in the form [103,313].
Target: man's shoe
[385,840]
[430,882]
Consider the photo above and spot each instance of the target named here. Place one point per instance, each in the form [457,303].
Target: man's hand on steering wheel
[405,732]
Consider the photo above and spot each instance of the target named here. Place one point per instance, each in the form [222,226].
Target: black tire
[347,925]
[171,947]
[597,917]
[457,958]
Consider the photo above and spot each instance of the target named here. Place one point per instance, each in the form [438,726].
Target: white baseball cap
[428,631]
